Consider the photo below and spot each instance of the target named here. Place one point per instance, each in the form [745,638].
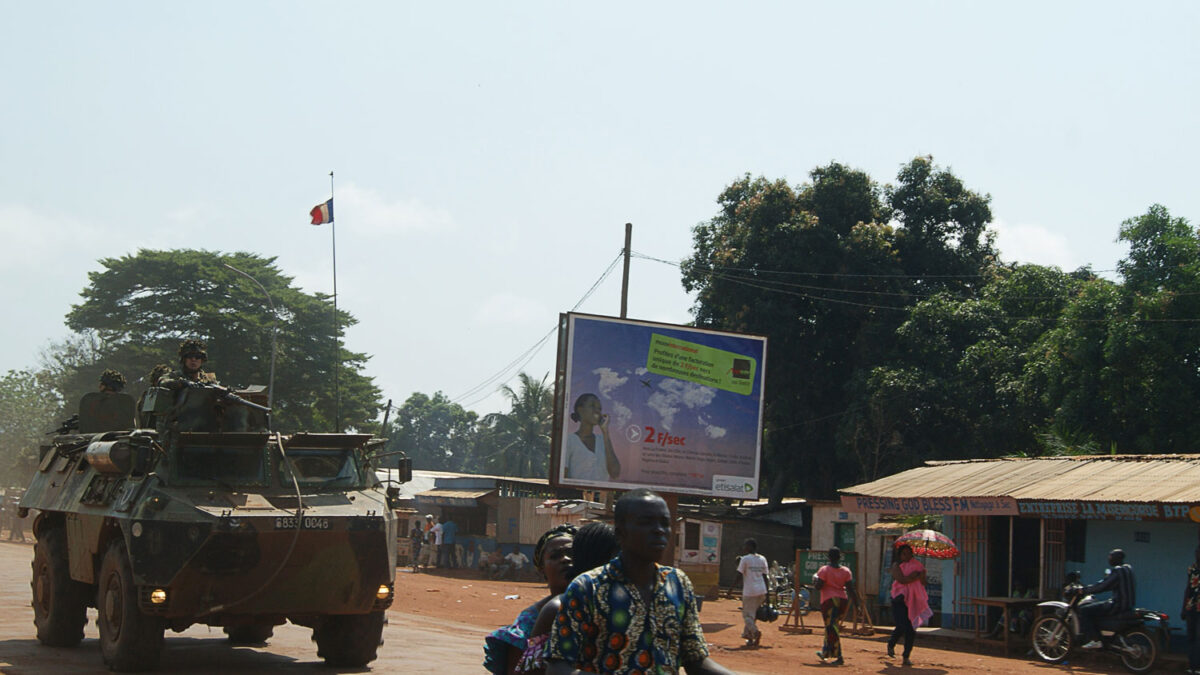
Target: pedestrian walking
[1191,614]
[836,584]
[753,568]
[632,615]
[910,601]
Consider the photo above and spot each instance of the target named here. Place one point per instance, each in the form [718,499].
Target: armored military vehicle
[190,510]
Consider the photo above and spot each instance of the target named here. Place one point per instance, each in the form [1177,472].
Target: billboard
[668,407]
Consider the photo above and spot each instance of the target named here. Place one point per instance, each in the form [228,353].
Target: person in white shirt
[753,568]
[516,562]
[433,537]
[583,456]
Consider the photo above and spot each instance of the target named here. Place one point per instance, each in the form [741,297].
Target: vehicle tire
[129,639]
[1051,639]
[349,640]
[1140,651]
[250,634]
[59,602]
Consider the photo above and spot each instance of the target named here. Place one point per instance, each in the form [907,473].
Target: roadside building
[1034,519]
[710,537]
[489,511]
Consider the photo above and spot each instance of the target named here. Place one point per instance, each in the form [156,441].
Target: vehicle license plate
[307,523]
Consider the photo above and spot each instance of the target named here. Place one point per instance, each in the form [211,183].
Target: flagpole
[337,347]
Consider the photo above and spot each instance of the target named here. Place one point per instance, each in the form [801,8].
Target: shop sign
[1088,510]
[952,506]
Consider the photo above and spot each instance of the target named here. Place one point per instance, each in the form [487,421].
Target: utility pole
[625,272]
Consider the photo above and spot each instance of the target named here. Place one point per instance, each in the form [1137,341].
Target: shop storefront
[1024,523]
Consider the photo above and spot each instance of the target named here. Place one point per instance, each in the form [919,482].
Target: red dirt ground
[463,597]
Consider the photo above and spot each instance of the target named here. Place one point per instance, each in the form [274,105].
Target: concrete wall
[825,515]
[1159,565]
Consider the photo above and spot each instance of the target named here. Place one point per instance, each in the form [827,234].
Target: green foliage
[824,270]
[28,409]
[518,442]
[439,435]
[436,434]
[136,310]
[897,336]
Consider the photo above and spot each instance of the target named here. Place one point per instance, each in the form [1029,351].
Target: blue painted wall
[1160,565]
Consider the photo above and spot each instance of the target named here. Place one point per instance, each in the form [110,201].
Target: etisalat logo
[732,485]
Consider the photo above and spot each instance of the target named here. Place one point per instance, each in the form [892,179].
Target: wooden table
[1004,603]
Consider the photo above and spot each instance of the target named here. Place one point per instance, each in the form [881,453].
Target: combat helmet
[193,347]
[112,380]
[157,373]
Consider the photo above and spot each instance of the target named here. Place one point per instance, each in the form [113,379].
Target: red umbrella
[929,543]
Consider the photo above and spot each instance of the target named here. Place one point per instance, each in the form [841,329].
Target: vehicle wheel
[1051,639]
[349,640]
[59,602]
[250,634]
[129,639]
[1139,651]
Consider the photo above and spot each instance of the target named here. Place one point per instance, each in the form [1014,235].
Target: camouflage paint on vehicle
[222,522]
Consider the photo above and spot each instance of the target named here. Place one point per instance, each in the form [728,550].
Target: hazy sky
[487,155]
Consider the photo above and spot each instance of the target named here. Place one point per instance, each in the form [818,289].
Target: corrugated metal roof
[454,493]
[1109,478]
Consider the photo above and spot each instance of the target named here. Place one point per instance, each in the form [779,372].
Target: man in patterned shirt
[632,615]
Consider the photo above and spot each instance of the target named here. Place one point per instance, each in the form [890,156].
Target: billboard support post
[625,272]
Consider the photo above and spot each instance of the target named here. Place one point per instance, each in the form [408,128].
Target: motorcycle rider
[1121,582]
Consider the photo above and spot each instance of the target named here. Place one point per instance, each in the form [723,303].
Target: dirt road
[437,626]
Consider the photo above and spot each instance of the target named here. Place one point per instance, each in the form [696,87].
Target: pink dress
[915,597]
[835,579]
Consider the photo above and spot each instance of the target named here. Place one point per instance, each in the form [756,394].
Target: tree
[957,385]
[28,410]
[435,433]
[1124,366]
[138,308]
[518,441]
[827,270]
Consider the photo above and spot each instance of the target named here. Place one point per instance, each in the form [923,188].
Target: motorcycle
[1135,636]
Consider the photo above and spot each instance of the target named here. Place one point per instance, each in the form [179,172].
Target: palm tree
[522,436]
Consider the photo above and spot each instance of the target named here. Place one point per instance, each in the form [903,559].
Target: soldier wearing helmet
[112,381]
[146,419]
[192,356]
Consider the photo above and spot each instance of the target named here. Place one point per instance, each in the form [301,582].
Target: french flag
[322,213]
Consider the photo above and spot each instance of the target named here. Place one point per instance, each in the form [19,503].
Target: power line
[757,270]
[763,285]
[515,366]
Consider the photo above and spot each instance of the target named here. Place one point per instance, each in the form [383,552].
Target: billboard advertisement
[668,407]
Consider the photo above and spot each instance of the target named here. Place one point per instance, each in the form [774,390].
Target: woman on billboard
[581,458]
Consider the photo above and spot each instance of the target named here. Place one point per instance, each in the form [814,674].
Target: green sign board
[808,562]
[701,364]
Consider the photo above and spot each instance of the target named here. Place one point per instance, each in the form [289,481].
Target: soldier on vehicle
[112,381]
[156,374]
[192,355]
